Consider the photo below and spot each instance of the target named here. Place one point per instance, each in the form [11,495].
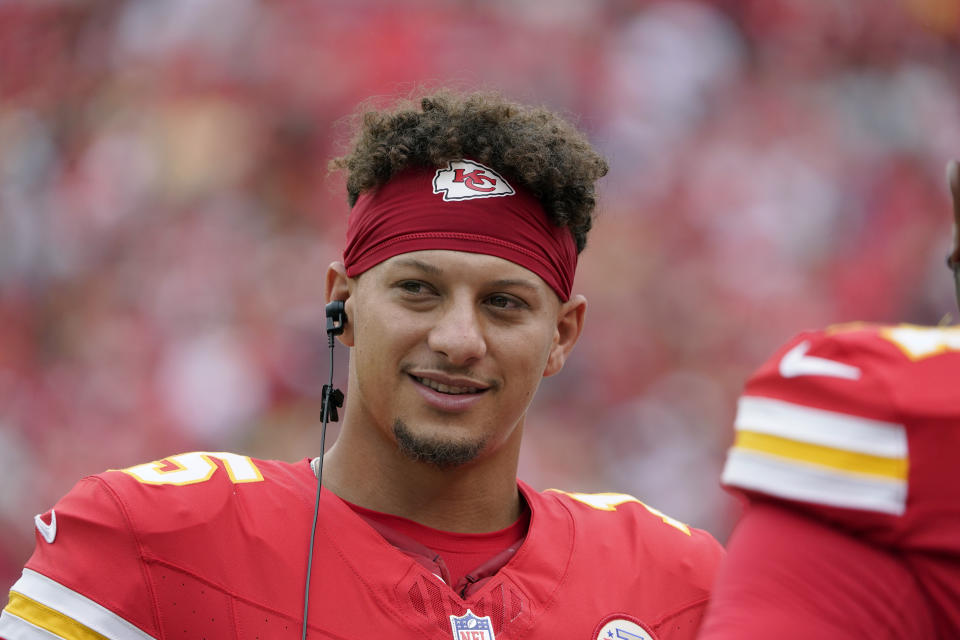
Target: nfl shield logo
[471,627]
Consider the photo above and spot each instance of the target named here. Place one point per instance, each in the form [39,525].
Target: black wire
[327,400]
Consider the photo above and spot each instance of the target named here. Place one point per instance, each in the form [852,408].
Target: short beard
[439,453]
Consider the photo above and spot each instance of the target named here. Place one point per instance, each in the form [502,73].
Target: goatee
[443,454]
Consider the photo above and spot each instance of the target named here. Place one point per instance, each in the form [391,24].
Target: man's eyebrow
[432,269]
[526,284]
[418,264]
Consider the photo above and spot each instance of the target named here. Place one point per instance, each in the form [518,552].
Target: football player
[455,296]
[846,449]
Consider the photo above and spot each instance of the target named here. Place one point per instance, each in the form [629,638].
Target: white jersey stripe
[14,628]
[42,589]
[825,428]
[792,480]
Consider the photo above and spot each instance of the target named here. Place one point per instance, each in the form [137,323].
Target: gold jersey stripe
[839,459]
[782,478]
[82,611]
[50,619]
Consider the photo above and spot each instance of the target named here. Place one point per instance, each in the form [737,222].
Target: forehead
[462,265]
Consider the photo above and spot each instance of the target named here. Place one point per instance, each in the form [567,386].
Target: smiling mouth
[444,388]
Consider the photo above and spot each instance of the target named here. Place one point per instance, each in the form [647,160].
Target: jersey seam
[702,601]
[124,512]
[233,615]
[573,545]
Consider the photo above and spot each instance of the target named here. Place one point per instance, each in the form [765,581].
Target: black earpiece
[336,317]
[331,400]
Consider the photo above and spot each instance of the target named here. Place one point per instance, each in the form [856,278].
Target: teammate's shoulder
[870,370]
[863,344]
[826,419]
[838,417]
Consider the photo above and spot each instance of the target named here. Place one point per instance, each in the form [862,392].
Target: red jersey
[214,545]
[847,443]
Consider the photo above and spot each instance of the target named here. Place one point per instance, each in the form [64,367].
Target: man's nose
[458,333]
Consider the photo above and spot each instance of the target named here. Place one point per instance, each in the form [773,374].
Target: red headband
[463,207]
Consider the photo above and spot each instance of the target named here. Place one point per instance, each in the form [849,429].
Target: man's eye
[503,302]
[413,286]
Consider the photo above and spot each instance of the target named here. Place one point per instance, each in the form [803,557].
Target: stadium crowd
[166,215]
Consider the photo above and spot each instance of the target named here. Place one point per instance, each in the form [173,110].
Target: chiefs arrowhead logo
[465,179]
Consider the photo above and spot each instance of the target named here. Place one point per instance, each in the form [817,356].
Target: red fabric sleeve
[790,577]
[96,554]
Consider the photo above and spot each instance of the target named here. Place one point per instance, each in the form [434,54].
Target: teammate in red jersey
[468,213]
[846,447]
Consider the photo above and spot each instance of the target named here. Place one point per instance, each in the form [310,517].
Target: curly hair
[535,146]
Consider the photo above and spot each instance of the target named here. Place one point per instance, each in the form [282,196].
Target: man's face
[449,349]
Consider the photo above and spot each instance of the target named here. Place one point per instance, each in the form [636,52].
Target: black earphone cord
[332,398]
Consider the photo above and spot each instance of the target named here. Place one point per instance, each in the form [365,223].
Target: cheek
[527,356]
[380,336]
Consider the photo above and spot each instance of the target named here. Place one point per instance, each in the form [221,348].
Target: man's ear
[569,325]
[338,288]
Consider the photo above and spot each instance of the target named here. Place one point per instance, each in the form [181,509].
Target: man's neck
[477,497]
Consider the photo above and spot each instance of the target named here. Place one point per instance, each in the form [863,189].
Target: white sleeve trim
[95,616]
[14,628]
[821,427]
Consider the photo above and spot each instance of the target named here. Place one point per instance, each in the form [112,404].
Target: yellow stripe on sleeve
[50,619]
[838,459]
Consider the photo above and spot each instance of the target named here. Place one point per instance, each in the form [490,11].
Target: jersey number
[198,466]
[923,342]
[610,501]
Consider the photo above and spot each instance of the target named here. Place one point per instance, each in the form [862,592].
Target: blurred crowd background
[166,215]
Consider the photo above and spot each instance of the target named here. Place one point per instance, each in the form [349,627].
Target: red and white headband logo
[465,180]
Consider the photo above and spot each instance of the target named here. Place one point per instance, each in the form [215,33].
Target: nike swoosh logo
[48,531]
[796,362]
